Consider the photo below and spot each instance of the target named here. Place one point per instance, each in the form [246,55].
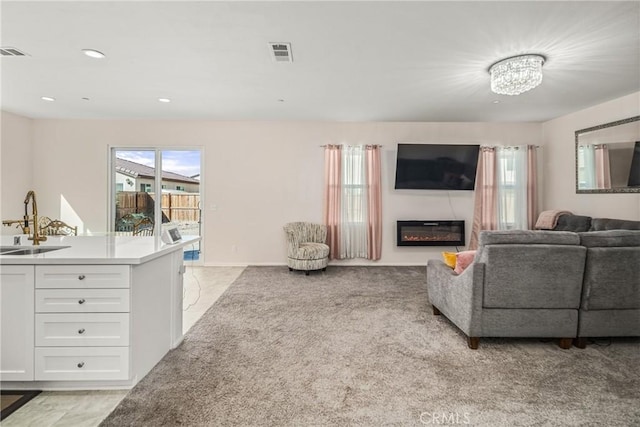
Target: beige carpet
[359,346]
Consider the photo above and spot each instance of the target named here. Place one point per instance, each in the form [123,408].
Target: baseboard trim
[363,263]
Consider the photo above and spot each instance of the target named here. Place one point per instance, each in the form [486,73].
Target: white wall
[257,175]
[16,175]
[559,167]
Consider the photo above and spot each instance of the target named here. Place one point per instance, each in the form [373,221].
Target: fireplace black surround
[430,233]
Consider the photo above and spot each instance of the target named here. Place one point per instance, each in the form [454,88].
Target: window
[352,209]
[180,188]
[135,176]
[512,188]
[353,186]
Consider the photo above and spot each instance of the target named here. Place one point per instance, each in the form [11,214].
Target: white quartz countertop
[96,249]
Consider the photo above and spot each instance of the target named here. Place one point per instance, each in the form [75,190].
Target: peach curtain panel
[603,168]
[338,200]
[332,196]
[532,186]
[488,190]
[485,215]
[374,201]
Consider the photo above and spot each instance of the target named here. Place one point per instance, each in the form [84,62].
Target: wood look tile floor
[202,287]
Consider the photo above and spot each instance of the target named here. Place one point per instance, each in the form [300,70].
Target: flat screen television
[634,171]
[436,166]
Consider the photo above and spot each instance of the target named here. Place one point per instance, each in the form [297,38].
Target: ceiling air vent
[11,51]
[281,52]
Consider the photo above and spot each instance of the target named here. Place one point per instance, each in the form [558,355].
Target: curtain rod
[509,147]
[356,145]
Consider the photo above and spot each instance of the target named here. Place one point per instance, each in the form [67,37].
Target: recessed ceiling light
[280,100]
[496,102]
[164,100]
[93,53]
[48,98]
[85,99]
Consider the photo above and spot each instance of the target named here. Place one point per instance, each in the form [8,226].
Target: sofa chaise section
[521,284]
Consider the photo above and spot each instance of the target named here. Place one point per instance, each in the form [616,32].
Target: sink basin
[29,250]
[4,249]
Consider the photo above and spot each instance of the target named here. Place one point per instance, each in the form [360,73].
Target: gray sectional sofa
[610,303]
[555,284]
[581,223]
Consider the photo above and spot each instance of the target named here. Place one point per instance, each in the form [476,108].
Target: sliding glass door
[153,189]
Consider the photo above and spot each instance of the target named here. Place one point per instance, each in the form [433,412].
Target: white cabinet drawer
[82,276]
[82,300]
[82,363]
[93,329]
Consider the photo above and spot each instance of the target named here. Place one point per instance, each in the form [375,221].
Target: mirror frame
[599,127]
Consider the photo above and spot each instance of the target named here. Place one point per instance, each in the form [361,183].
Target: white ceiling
[353,61]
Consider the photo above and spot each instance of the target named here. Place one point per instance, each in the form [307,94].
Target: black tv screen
[436,166]
[634,172]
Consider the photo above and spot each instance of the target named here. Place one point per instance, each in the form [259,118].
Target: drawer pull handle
[81,277]
[82,301]
[80,365]
[81,331]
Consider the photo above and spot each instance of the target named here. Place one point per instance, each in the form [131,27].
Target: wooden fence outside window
[176,207]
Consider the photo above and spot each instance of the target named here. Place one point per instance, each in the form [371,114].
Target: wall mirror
[608,157]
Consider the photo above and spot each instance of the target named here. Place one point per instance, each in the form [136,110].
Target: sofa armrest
[458,297]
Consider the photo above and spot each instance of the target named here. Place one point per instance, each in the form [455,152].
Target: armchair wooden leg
[436,312]
[580,342]
[473,342]
[565,343]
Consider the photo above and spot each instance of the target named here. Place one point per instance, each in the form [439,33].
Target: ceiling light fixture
[48,98]
[164,100]
[517,74]
[92,53]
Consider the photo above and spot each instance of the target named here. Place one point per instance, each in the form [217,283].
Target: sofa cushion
[575,223]
[599,224]
[526,237]
[612,271]
[611,279]
[610,238]
[533,275]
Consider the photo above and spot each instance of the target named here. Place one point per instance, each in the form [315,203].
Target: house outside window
[119,186]
[145,188]
[180,187]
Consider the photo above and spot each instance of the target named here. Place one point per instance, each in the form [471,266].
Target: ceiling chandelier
[515,75]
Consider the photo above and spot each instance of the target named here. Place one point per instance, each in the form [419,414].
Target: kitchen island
[96,312]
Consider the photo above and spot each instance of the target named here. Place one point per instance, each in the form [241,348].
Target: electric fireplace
[430,233]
